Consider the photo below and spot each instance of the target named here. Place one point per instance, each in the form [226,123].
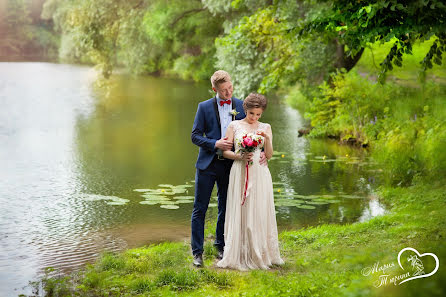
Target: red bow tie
[225,102]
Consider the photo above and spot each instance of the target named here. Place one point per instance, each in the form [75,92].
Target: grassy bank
[321,261]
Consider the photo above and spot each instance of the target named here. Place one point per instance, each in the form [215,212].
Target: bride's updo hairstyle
[254,100]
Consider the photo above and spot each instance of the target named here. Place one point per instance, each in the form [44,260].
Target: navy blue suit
[210,170]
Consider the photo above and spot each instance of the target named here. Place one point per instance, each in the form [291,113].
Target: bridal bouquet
[248,144]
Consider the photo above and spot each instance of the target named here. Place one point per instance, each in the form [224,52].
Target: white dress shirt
[225,116]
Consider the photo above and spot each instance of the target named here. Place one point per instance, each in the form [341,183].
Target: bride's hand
[263,133]
[246,156]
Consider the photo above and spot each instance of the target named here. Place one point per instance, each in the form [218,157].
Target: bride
[251,239]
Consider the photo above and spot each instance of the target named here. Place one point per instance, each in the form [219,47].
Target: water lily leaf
[179,190]
[295,196]
[213,204]
[306,206]
[169,206]
[154,197]
[150,202]
[142,190]
[286,203]
[323,161]
[116,202]
[95,197]
[352,196]
[288,200]
[185,201]
[328,196]
[317,202]
[165,186]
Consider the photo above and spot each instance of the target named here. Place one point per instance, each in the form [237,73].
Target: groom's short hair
[219,77]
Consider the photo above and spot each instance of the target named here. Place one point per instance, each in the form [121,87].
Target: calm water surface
[71,160]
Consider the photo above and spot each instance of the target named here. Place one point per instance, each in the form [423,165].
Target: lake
[82,172]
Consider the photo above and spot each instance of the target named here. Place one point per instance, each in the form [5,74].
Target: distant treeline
[264,44]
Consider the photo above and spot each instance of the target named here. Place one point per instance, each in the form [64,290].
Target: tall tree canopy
[358,23]
[263,44]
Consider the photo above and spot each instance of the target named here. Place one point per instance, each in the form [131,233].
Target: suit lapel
[216,112]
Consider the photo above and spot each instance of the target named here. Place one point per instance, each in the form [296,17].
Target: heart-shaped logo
[417,264]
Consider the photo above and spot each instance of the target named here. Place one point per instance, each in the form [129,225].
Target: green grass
[320,261]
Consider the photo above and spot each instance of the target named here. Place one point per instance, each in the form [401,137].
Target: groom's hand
[263,160]
[224,144]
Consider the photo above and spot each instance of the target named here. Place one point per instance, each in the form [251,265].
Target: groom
[211,121]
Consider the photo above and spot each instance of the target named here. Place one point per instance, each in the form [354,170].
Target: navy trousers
[217,172]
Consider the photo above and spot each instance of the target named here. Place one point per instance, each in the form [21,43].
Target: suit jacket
[207,129]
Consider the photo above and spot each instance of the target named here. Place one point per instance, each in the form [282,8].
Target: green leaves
[356,24]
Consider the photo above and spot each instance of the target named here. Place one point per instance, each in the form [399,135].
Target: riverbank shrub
[404,125]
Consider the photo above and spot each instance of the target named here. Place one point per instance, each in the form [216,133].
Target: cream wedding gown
[251,239]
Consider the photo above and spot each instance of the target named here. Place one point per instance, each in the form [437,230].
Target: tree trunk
[343,61]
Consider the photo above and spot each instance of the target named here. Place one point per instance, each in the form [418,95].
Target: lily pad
[306,206]
[155,197]
[286,203]
[142,190]
[147,202]
[288,200]
[185,201]
[169,206]
[317,202]
[164,191]
[213,204]
[328,196]
[352,196]
[112,200]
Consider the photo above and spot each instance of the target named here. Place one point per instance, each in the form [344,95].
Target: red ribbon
[246,182]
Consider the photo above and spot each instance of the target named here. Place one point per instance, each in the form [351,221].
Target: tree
[358,23]
[16,28]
